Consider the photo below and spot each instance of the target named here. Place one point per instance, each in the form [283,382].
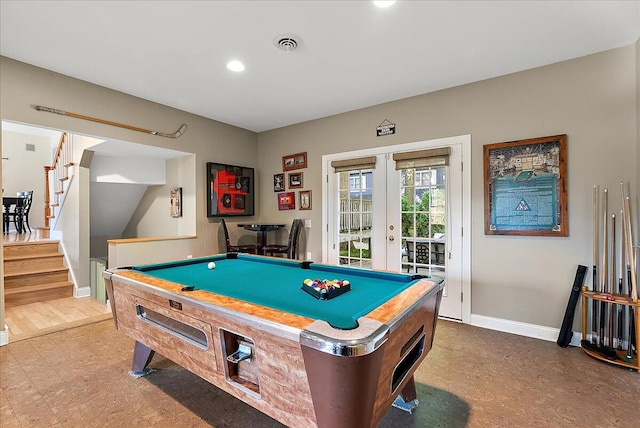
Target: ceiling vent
[286,42]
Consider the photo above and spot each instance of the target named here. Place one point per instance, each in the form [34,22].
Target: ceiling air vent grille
[286,42]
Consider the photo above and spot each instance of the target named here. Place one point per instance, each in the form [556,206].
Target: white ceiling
[351,55]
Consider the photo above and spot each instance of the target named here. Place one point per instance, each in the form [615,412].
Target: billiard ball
[211,265]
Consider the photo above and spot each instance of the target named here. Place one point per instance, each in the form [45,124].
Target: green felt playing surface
[276,283]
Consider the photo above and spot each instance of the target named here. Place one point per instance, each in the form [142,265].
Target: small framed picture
[287,201]
[295,180]
[305,199]
[278,182]
[297,161]
[176,202]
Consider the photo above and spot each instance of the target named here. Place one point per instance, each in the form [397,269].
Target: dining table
[261,229]
[7,202]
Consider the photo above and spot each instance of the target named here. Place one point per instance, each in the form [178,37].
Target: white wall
[112,205]
[24,170]
[128,170]
[152,215]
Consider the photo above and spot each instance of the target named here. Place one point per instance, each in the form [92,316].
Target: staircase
[61,174]
[34,272]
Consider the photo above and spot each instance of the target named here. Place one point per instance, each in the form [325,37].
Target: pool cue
[612,307]
[605,259]
[632,320]
[621,272]
[630,254]
[594,282]
[631,270]
[634,275]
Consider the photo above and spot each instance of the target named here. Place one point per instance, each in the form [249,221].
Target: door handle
[391,238]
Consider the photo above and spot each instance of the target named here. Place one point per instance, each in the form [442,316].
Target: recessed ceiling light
[235,65]
[384,4]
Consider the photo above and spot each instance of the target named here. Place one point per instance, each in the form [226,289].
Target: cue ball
[211,265]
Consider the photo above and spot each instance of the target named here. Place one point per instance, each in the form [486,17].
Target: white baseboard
[522,329]
[4,336]
[82,292]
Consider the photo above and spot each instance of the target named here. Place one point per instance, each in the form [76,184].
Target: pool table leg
[142,356]
[408,398]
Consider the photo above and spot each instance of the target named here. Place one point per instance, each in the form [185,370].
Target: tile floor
[471,378]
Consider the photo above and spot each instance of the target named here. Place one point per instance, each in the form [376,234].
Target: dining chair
[291,249]
[26,207]
[5,218]
[20,214]
[245,248]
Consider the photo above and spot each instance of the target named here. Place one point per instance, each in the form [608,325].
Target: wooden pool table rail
[383,314]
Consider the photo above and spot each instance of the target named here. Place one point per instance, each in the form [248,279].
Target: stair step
[38,293]
[18,249]
[35,277]
[33,256]
[22,264]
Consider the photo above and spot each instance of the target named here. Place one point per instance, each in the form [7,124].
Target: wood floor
[36,319]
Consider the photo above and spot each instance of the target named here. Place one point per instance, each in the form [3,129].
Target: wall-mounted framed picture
[175,197]
[230,190]
[287,201]
[278,182]
[305,199]
[525,187]
[297,161]
[295,180]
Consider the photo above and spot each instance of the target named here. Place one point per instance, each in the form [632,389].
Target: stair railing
[62,160]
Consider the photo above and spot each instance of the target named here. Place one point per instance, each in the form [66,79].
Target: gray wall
[23,85]
[591,99]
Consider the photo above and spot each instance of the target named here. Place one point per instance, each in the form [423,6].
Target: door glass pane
[423,211]
[355,213]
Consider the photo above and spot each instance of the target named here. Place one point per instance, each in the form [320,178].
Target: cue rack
[611,309]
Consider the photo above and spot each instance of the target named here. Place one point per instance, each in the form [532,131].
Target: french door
[400,208]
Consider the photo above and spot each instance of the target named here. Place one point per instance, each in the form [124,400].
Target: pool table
[247,326]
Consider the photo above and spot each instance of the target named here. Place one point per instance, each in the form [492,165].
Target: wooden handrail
[47,169]
[57,156]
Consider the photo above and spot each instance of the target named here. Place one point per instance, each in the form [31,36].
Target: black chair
[418,251]
[291,249]
[20,214]
[251,249]
[26,207]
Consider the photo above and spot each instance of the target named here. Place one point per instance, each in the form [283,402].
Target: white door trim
[465,142]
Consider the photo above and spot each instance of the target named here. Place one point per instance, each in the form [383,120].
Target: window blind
[368,162]
[422,158]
